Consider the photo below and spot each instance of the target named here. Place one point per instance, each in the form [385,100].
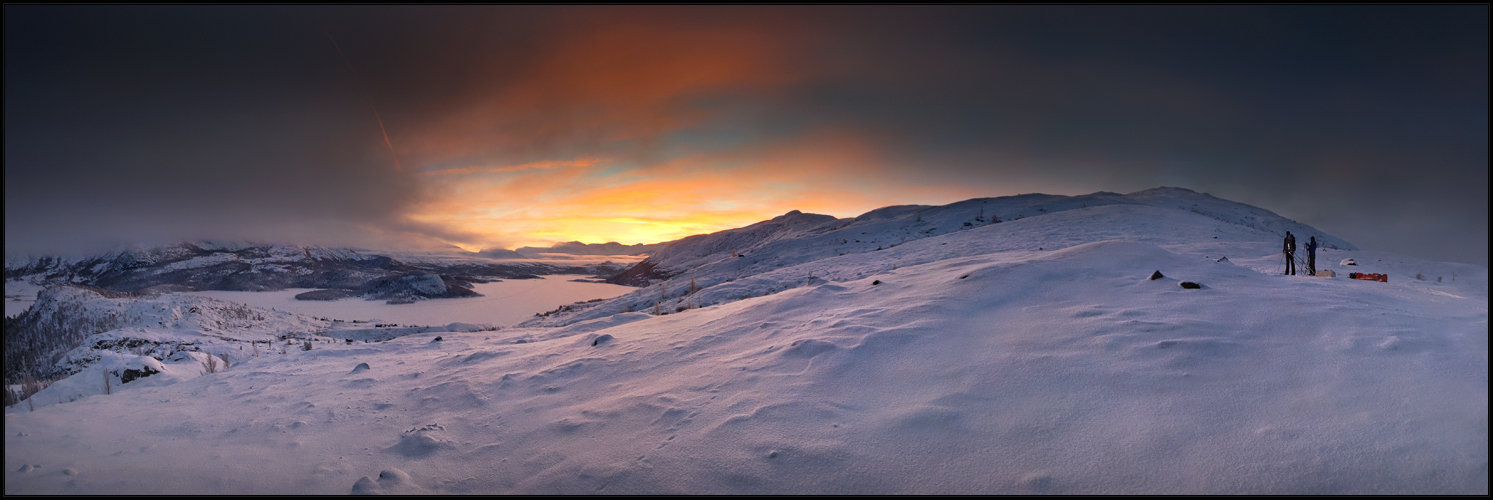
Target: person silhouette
[1311,257]
[1290,250]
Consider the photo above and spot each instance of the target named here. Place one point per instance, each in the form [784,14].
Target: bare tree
[209,365]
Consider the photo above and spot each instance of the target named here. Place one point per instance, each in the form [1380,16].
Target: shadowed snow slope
[1029,356]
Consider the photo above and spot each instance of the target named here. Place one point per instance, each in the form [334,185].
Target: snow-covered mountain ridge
[182,256]
[890,226]
[788,244]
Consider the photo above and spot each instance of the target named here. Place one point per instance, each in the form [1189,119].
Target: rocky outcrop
[641,274]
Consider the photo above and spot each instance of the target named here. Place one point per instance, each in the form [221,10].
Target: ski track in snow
[965,363]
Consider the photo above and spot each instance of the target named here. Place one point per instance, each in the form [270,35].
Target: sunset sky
[500,126]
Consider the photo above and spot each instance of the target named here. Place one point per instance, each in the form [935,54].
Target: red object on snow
[1370,277]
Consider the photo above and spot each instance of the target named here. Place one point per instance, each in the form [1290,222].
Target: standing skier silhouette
[1311,257]
[1290,250]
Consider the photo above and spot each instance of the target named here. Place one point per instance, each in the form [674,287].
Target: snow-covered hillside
[86,331]
[1033,355]
[68,326]
[792,249]
[805,237]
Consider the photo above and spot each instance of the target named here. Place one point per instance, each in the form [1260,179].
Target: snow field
[988,367]
[898,352]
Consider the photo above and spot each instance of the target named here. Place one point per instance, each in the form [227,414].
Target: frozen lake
[19,296]
[503,303]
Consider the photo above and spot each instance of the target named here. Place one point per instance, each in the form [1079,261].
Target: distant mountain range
[259,267]
[574,248]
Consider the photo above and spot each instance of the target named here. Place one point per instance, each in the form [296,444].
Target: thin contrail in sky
[397,166]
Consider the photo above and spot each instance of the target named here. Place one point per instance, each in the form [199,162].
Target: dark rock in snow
[1156,275]
[641,274]
[1190,285]
[132,374]
[601,340]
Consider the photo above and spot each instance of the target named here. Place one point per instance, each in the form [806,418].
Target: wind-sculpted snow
[1030,356]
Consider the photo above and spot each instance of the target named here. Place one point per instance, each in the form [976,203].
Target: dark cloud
[165,122]
[1364,120]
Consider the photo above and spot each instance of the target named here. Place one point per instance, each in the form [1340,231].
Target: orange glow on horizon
[541,203]
[606,134]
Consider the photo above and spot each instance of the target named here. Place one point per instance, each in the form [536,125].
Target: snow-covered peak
[795,224]
[1163,191]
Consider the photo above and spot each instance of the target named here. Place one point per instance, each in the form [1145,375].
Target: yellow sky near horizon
[594,201]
